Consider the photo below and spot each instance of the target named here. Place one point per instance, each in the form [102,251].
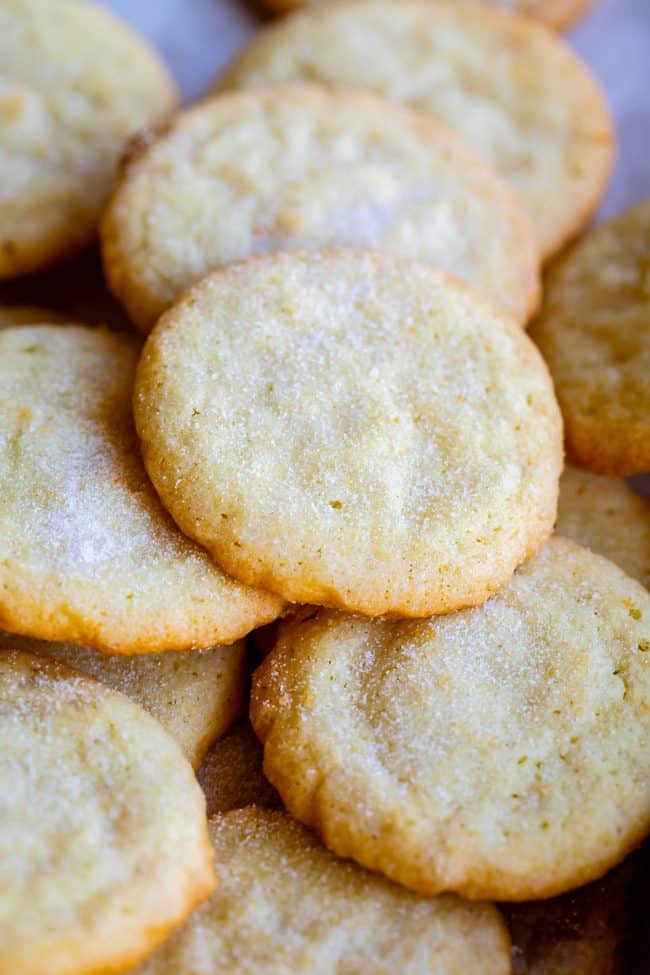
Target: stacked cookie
[337,421]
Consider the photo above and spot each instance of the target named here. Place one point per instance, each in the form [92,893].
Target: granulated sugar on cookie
[76,84]
[231,775]
[103,847]
[285,904]
[305,166]
[509,86]
[87,553]
[351,429]
[499,752]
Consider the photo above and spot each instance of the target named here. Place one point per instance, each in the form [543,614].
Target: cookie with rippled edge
[499,752]
[594,332]
[231,775]
[558,14]
[285,904]
[103,842]
[511,88]
[305,166]
[87,553]
[76,87]
[604,514]
[195,695]
[351,429]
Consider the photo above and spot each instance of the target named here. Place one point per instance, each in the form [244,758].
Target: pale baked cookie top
[87,553]
[231,775]
[195,695]
[75,84]
[351,429]
[304,166]
[554,13]
[286,905]
[500,752]
[505,83]
[103,846]
[594,331]
[607,516]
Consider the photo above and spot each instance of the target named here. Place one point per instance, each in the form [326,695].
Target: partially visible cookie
[231,775]
[76,84]
[103,841]
[11,315]
[509,86]
[499,752]
[304,166]
[87,553]
[195,695]
[607,516]
[594,332]
[285,904]
[351,429]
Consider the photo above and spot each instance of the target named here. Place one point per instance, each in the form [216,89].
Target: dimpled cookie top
[307,167]
[607,516]
[594,331]
[87,554]
[512,89]
[500,752]
[103,846]
[351,429]
[195,695]
[297,909]
[75,84]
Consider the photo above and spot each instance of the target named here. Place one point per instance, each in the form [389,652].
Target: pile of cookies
[339,441]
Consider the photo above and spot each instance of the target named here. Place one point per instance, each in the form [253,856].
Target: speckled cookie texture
[231,775]
[594,331]
[499,752]
[103,847]
[298,909]
[195,695]
[304,166]
[555,13]
[509,86]
[76,84]
[87,553]
[607,516]
[350,429]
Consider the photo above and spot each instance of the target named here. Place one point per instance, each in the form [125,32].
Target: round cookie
[512,89]
[350,429]
[87,553]
[554,13]
[285,904]
[231,775]
[103,841]
[604,514]
[500,752]
[594,332]
[75,87]
[195,695]
[305,166]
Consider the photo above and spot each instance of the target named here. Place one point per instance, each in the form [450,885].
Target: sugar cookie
[11,315]
[103,841]
[87,553]
[350,429]
[231,775]
[500,752]
[304,166]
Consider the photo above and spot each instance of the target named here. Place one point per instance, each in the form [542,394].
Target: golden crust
[104,848]
[350,429]
[500,752]
[87,553]
[510,87]
[306,166]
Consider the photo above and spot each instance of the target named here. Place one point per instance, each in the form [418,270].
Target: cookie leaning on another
[351,429]
[87,553]
[304,166]
[103,846]
[76,85]
[509,86]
